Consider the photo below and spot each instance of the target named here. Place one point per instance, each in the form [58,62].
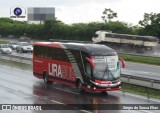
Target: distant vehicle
[12,45]
[90,67]
[24,39]
[4,48]
[135,41]
[10,36]
[24,47]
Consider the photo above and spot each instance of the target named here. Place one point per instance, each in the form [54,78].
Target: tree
[108,15]
[151,24]
[148,18]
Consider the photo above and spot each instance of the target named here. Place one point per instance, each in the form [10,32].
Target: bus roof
[93,49]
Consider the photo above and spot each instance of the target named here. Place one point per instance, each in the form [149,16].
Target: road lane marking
[67,105]
[145,111]
[4,66]
[32,94]
[58,102]
[20,78]
[16,77]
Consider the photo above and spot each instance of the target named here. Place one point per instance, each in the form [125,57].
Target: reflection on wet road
[20,87]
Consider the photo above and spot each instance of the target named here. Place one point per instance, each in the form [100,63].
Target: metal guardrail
[146,84]
[148,90]
[141,81]
[141,78]
[127,79]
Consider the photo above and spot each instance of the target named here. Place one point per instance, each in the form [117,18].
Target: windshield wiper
[107,71]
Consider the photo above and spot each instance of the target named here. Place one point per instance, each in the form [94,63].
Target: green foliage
[55,29]
[108,15]
[119,27]
[141,59]
[10,27]
[151,24]
[153,93]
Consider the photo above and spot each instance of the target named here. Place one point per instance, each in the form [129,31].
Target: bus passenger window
[88,69]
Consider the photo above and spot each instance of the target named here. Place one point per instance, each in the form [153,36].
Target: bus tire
[45,78]
[79,86]
[22,51]
[104,93]
[17,50]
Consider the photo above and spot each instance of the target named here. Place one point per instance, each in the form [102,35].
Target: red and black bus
[90,67]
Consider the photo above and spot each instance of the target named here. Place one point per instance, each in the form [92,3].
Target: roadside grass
[3,42]
[141,59]
[152,93]
[16,65]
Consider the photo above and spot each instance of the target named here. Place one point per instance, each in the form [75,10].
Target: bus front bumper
[94,89]
[106,85]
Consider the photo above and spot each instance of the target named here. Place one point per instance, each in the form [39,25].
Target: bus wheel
[104,93]
[45,78]
[79,86]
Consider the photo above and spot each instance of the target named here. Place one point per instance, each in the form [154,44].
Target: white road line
[32,94]
[85,111]
[145,111]
[58,102]
[67,105]
[16,77]
[9,67]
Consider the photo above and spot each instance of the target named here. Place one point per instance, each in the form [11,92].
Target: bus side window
[49,52]
[44,52]
[37,51]
[59,54]
[77,56]
[87,66]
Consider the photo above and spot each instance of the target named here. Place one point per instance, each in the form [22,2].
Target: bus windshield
[107,68]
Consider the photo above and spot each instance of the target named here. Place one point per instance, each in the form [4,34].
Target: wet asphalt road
[21,87]
[142,70]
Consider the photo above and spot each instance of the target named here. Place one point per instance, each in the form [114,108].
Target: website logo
[17,12]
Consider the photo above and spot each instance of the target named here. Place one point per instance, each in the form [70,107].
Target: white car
[24,47]
[12,45]
[4,48]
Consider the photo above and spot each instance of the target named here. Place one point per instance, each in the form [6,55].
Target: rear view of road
[20,87]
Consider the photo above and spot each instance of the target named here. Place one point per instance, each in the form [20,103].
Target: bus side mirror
[91,62]
[123,62]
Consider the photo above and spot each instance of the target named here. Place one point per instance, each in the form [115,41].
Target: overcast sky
[75,11]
